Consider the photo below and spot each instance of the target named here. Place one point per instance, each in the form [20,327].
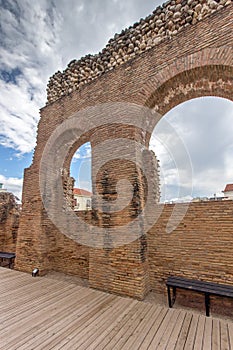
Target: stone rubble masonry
[9,222]
[164,23]
[196,61]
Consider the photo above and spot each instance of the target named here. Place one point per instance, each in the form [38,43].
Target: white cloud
[19,117]
[83,152]
[27,59]
[197,133]
[12,184]
[39,38]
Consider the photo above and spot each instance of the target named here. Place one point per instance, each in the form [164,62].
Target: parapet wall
[165,22]
[200,247]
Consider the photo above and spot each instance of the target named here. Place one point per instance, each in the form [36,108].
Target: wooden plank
[168,331]
[184,331]
[154,329]
[124,329]
[77,325]
[216,343]
[20,312]
[162,329]
[15,334]
[192,333]
[230,333]
[13,279]
[132,325]
[110,326]
[121,323]
[82,330]
[207,338]
[80,307]
[199,334]
[95,329]
[140,333]
[21,330]
[127,329]
[24,298]
[2,269]
[56,324]
[138,330]
[23,311]
[176,330]
[224,336]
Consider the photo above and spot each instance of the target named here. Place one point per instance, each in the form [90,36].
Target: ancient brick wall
[9,222]
[196,60]
[64,254]
[200,247]
[40,244]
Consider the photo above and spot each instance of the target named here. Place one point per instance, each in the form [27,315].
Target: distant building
[82,199]
[228,191]
[1,188]
[208,199]
[200,199]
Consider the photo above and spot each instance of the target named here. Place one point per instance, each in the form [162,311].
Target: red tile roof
[228,188]
[81,192]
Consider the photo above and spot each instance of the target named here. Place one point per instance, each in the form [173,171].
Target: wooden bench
[207,288]
[7,259]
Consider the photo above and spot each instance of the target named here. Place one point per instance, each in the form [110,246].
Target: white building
[82,199]
[228,192]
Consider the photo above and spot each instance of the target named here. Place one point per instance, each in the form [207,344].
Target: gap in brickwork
[80,170]
[194,145]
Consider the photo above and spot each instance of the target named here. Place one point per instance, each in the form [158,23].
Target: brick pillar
[121,268]
[32,243]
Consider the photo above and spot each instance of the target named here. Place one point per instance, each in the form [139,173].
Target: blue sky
[12,165]
[39,37]
[80,168]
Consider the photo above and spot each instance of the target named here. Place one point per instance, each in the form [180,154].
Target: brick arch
[101,134]
[205,73]
[97,136]
[202,81]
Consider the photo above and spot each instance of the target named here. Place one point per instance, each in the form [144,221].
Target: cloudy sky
[39,37]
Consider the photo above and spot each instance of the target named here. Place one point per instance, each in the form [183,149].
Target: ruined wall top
[7,205]
[166,21]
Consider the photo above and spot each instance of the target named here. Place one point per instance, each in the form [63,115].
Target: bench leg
[169,296]
[174,295]
[11,264]
[207,304]
[171,300]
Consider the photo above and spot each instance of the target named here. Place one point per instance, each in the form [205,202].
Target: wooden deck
[43,313]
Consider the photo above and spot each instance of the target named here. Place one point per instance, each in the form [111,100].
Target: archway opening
[197,134]
[80,171]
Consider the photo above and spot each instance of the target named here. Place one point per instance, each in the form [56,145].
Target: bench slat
[201,286]
[5,255]
[10,257]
